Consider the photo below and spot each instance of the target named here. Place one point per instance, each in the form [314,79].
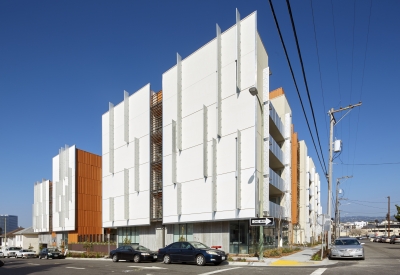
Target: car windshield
[53,250]
[199,245]
[347,242]
[141,248]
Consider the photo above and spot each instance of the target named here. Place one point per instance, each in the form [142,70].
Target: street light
[254,92]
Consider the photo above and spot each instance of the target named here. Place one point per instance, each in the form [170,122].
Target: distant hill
[361,218]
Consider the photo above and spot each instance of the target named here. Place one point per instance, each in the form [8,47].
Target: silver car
[347,248]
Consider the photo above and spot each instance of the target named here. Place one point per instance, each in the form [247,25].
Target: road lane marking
[75,267]
[33,264]
[147,267]
[319,271]
[218,271]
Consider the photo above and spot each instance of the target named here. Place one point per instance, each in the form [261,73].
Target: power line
[337,62]
[319,69]
[304,77]
[373,201]
[366,164]
[295,83]
[362,78]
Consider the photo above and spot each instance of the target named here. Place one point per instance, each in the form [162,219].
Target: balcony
[276,158]
[276,125]
[276,210]
[276,181]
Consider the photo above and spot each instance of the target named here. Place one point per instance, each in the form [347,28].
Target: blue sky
[61,62]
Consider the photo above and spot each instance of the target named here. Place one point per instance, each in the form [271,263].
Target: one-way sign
[266,221]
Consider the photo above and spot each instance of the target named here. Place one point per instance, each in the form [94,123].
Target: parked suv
[11,251]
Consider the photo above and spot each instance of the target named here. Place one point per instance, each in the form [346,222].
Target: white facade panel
[126,158]
[64,184]
[41,202]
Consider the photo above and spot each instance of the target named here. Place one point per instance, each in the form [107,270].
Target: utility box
[337,146]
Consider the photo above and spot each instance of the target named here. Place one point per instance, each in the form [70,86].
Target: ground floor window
[128,235]
[244,239]
[183,232]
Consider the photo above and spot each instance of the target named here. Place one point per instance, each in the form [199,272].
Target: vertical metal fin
[205,142]
[126,116]
[214,175]
[111,138]
[111,208]
[174,168]
[126,194]
[218,71]
[238,170]
[137,165]
[179,101]
[238,52]
[179,198]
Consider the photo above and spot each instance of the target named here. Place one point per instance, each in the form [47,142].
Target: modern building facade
[68,208]
[310,198]
[8,223]
[198,159]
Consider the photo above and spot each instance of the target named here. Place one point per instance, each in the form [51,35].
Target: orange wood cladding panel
[276,93]
[88,188]
[295,205]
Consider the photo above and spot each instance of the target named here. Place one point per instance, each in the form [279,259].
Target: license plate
[346,254]
[155,257]
[55,256]
[223,257]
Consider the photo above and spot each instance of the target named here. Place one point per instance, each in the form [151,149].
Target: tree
[397,217]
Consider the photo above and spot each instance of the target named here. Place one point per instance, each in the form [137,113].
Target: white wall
[64,183]
[199,87]
[40,208]
[124,158]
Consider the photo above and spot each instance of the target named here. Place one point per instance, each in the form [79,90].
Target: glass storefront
[183,232]
[128,235]
[244,239]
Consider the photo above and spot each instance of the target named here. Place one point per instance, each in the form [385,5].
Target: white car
[1,254]
[26,253]
[11,251]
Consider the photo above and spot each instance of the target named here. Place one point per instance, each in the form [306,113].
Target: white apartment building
[310,198]
[198,159]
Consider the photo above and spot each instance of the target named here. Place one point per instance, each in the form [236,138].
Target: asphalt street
[381,258]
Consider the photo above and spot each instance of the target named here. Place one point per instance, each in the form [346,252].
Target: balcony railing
[275,149]
[276,210]
[276,180]
[275,118]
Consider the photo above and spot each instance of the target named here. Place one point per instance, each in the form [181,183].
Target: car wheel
[115,258]
[167,259]
[136,258]
[200,260]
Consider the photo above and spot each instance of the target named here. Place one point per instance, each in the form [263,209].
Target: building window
[183,232]
[128,235]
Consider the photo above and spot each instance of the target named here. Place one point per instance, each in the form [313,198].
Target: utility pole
[337,219]
[388,216]
[332,123]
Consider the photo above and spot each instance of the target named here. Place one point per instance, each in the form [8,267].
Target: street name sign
[266,221]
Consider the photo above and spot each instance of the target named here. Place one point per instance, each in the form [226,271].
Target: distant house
[8,239]
[27,239]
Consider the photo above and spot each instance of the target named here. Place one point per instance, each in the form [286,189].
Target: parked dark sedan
[51,253]
[191,252]
[133,253]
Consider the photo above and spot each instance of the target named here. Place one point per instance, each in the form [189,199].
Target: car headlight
[212,253]
[50,254]
[334,250]
[145,254]
[358,250]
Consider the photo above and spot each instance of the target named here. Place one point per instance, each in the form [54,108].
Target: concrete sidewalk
[301,258]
